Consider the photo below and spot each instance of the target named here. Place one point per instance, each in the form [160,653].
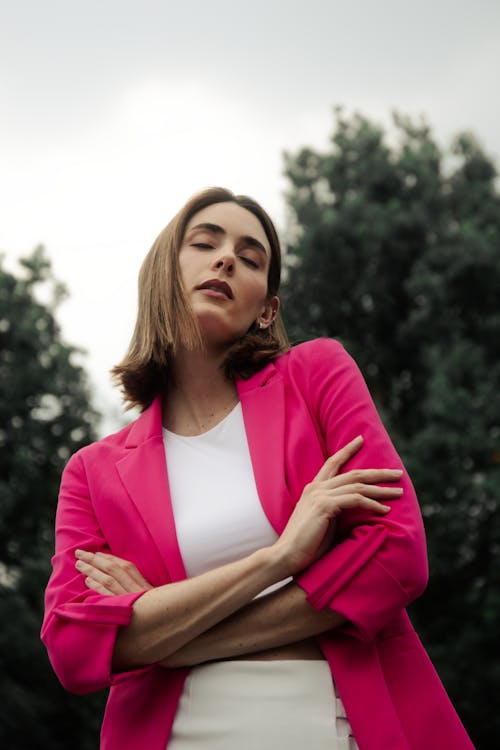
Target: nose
[225,260]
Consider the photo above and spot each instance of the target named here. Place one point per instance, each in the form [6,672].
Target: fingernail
[386,507]
[357,438]
[397,472]
[79,552]
[78,564]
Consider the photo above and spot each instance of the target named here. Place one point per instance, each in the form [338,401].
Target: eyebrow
[216,229]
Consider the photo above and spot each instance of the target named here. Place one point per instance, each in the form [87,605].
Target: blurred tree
[45,416]
[395,250]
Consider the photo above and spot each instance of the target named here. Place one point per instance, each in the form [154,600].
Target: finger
[135,574]
[367,490]
[105,581]
[365,476]
[333,464]
[96,586]
[355,500]
[101,562]
[123,571]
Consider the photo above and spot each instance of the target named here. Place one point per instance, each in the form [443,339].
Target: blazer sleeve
[379,563]
[80,626]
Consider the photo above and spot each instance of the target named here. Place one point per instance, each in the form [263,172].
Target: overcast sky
[112,113]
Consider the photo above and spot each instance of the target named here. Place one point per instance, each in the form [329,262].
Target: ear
[269,313]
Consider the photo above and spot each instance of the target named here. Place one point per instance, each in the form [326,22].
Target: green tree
[45,415]
[397,254]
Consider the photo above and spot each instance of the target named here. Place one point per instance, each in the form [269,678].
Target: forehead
[233,219]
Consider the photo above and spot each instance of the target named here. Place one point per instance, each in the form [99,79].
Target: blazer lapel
[143,472]
[263,404]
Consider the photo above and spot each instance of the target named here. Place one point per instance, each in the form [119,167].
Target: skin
[213,616]
[239,254]
[200,395]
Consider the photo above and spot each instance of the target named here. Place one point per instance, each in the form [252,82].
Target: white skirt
[261,705]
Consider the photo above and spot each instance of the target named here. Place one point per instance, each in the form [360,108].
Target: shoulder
[317,349]
[323,372]
[106,448]
[310,356]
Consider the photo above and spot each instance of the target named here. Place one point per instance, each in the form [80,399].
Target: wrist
[278,560]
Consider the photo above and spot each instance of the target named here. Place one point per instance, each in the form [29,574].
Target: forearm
[278,619]
[164,619]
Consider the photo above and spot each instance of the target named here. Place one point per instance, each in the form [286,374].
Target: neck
[200,394]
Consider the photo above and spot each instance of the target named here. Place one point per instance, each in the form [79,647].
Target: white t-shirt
[218,515]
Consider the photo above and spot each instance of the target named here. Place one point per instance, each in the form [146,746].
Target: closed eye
[249,261]
[244,258]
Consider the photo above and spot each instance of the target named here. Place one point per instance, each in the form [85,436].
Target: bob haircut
[165,318]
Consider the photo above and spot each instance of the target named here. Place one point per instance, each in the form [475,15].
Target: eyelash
[248,261]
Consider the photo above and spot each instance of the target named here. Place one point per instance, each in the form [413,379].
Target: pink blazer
[115,497]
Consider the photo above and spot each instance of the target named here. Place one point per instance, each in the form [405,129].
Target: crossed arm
[215,616]
[278,619]
[281,618]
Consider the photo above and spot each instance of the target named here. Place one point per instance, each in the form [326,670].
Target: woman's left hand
[108,574]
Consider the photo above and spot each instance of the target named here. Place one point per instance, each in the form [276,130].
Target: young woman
[240,557]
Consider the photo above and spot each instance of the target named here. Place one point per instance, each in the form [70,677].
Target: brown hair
[165,319]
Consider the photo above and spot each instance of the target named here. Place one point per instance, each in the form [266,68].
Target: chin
[220,331]
[216,337]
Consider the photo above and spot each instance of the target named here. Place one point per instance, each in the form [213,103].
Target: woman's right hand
[324,498]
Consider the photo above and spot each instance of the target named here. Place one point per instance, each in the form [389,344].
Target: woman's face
[224,262]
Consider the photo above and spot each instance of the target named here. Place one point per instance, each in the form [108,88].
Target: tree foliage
[45,415]
[397,254]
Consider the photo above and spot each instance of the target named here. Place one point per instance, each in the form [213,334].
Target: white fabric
[243,704]
[261,705]
[218,515]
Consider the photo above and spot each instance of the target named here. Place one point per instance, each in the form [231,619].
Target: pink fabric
[114,496]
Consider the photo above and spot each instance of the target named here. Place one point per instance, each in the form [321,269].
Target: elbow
[416,582]
[420,578]
[77,683]
[80,638]
[74,676]
[80,657]
[414,571]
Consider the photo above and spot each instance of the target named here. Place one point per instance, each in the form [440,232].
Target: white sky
[113,112]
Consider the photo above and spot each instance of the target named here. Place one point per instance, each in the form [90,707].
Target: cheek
[257,292]
[186,264]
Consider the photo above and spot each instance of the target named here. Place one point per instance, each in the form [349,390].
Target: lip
[218,288]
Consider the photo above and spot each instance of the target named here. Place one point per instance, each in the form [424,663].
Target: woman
[228,562]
